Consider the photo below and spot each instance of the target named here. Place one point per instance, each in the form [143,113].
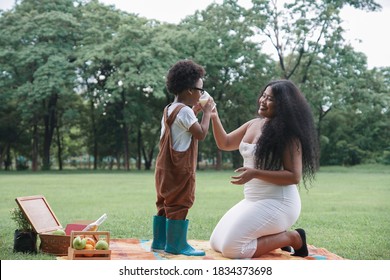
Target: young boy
[177,158]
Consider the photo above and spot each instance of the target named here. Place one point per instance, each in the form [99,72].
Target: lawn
[345,211]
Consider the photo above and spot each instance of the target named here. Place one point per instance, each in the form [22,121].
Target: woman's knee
[232,252]
[239,250]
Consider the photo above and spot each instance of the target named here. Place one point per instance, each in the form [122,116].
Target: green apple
[79,243]
[101,245]
[59,232]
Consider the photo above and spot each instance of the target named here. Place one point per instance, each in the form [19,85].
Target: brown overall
[175,174]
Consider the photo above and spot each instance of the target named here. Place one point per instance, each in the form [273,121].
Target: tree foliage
[83,83]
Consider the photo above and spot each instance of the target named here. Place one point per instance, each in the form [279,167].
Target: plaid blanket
[135,249]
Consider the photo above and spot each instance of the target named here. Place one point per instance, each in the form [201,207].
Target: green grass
[345,211]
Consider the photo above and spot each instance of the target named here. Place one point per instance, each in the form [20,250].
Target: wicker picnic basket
[44,222]
[54,244]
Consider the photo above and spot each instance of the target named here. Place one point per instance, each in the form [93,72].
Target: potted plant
[25,239]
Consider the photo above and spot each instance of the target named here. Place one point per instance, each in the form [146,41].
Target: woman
[278,148]
[176,161]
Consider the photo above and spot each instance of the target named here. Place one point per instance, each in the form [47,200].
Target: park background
[82,89]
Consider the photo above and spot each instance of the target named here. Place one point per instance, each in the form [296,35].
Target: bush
[386,157]
[20,220]
[21,163]
[350,154]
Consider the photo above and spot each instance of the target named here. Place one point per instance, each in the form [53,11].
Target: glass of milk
[204,98]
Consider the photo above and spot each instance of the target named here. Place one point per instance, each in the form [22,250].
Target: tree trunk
[1,157]
[8,161]
[59,148]
[139,147]
[237,159]
[34,152]
[321,116]
[94,137]
[3,151]
[125,133]
[50,124]
[148,159]
[126,146]
[118,161]
[218,165]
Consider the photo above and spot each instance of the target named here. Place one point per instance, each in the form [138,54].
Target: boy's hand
[209,106]
[197,108]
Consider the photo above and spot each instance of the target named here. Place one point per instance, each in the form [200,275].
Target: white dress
[266,209]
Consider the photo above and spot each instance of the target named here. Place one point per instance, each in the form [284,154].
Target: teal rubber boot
[159,233]
[177,239]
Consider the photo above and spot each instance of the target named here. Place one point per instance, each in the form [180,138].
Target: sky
[363,30]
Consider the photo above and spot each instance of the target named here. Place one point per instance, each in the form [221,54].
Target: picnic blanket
[136,249]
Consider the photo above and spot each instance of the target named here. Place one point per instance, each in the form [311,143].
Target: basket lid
[38,213]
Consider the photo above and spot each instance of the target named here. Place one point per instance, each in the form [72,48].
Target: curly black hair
[293,121]
[183,75]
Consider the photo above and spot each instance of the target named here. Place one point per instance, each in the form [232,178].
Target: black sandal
[287,249]
[302,252]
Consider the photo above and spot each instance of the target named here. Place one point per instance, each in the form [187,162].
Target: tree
[309,44]
[42,36]
[141,56]
[93,77]
[300,29]
[99,25]
[221,41]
